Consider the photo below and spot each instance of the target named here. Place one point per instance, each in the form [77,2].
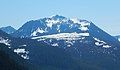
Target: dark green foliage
[8,61]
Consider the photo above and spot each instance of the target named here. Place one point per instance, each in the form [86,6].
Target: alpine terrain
[60,43]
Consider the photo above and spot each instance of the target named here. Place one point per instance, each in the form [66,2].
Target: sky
[103,13]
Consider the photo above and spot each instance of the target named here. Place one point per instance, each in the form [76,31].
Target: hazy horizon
[104,14]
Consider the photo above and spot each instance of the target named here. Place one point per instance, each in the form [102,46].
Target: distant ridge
[8,29]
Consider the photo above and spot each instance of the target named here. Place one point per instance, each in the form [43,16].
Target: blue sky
[104,13]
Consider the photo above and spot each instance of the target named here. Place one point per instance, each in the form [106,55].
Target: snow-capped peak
[51,22]
[83,24]
[52,25]
[54,20]
[61,28]
[75,20]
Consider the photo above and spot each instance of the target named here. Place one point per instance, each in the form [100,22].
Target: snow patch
[83,25]
[64,36]
[25,56]
[19,51]
[23,45]
[101,43]
[9,47]
[106,46]
[69,45]
[38,31]
[22,52]
[55,44]
[75,20]
[5,41]
[69,42]
[84,28]
[98,44]
[41,39]
[58,28]
[119,39]
[51,22]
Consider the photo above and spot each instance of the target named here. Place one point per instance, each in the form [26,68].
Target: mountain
[40,56]
[61,28]
[60,43]
[8,29]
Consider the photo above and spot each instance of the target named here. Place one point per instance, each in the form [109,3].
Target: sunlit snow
[101,43]
[83,25]
[75,20]
[37,31]
[23,45]
[51,22]
[55,44]
[23,53]
[119,39]
[5,41]
[106,46]
[64,36]
[84,28]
